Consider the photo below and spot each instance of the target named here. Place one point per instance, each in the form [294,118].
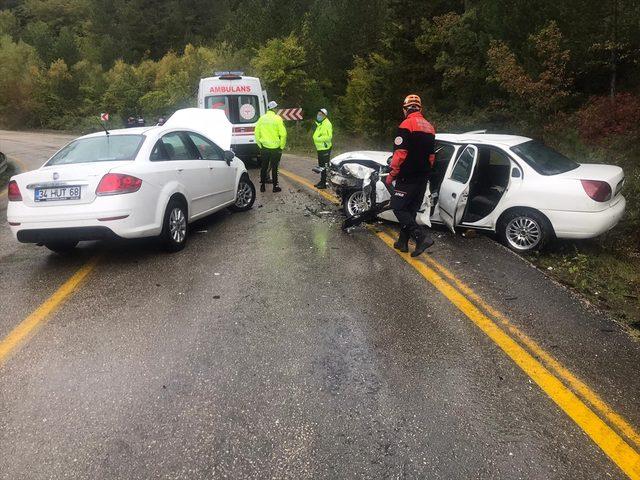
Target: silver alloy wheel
[177,225]
[523,233]
[358,203]
[245,194]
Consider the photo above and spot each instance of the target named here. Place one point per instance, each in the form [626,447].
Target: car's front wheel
[246,195]
[355,203]
[61,247]
[524,231]
[175,228]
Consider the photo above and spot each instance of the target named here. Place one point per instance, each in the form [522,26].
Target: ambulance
[243,101]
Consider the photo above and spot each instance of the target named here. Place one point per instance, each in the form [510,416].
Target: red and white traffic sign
[293,114]
[104,117]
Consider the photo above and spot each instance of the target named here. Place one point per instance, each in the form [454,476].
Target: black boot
[276,189]
[321,185]
[423,241]
[262,188]
[402,243]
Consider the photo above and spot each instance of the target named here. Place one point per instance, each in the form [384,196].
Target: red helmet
[412,101]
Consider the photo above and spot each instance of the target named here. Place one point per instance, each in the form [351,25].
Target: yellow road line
[39,317]
[325,194]
[576,384]
[604,436]
[622,454]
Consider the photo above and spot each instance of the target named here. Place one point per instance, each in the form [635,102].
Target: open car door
[454,190]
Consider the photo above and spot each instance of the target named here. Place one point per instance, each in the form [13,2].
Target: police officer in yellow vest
[323,140]
[271,137]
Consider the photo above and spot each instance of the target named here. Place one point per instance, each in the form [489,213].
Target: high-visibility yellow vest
[270,131]
[323,136]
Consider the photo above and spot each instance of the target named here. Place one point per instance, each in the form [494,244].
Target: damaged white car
[514,186]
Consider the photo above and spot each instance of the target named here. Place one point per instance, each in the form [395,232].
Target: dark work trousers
[323,161]
[270,159]
[406,201]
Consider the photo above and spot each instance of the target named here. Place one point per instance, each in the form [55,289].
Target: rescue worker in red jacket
[413,159]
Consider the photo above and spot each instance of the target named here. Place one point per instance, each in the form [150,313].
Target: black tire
[524,231]
[347,206]
[175,227]
[62,247]
[245,195]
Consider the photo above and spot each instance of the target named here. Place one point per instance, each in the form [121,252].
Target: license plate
[57,193]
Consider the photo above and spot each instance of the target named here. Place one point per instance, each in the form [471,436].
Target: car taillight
[597,190]
[118,183]
[13,192]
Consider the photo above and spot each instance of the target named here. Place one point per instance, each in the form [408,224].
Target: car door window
[462,170]
[170,147]
[206,148]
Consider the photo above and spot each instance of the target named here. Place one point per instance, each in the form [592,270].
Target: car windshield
[106,148]
[543,159]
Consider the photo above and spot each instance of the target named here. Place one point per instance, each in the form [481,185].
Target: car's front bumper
[580,225]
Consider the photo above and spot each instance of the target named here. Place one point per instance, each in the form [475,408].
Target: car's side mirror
[229,156]
[515,173]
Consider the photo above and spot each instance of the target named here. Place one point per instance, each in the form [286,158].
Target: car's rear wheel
[246,195]
[62,247]
[524,231]
[175,228]
[355,203]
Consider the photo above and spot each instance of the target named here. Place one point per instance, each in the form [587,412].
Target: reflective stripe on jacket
[323,136]
[270,131]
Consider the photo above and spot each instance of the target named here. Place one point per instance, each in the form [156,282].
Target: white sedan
[132,183]
[517,187]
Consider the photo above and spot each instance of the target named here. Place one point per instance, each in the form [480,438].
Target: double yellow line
[609,430]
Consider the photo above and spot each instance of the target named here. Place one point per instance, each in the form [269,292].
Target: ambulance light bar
[229,75]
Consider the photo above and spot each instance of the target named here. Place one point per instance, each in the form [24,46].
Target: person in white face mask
[323,140]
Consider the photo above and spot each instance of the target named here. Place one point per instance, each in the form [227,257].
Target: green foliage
[282,64]
[9,24]
[19,70]
[542,87]
[458,45]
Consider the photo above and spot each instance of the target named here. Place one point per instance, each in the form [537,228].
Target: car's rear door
[221,175]
[454,190]
[177,161]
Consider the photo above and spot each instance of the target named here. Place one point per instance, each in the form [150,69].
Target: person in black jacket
[413,159]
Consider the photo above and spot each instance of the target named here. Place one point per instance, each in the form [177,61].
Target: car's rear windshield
[107,148]
[544,160]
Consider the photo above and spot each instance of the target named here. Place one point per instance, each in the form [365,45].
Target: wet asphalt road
[275,346]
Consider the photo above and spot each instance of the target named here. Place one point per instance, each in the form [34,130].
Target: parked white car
[517,187]
[132,183]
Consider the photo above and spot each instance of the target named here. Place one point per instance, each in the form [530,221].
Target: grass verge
[608,277]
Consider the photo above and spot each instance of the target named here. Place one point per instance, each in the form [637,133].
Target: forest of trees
[478,63]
